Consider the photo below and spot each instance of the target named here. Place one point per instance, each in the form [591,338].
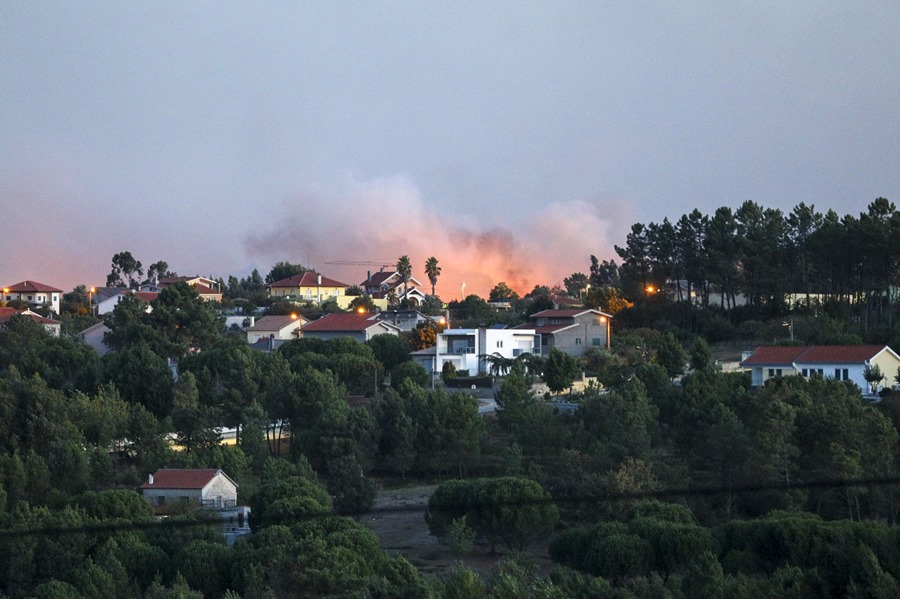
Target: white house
[34,294]
[469,349]
[283,327]
[107,298]
[840,362]
[54,327]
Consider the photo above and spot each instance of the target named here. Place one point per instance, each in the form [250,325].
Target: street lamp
[91,292]
[5,293]
[463,296]
[605,320]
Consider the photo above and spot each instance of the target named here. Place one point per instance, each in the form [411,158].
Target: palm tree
[432,271]
[404,269]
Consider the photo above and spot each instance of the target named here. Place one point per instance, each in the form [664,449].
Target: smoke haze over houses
[510,140]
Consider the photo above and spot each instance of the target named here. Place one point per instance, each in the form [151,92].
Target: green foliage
[560,370]
[284,270]
[700,354]
[409,371]
[670,355]
[351,490]
[509,510]
[390,350]
[502,293]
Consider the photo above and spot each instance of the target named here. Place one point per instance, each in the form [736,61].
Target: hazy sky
[511,140]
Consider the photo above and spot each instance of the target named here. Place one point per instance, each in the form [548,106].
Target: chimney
[149,479]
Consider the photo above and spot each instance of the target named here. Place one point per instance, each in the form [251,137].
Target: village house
[361,327]
[309,287]
[36,295]
[571,330]
[472,350]
[54,327]
[208,489]
[840,362]
[282,327]
[383,284]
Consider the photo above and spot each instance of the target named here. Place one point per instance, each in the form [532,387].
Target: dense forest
[667,478]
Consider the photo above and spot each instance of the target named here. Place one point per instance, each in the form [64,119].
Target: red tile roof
[816,354]
[33,287]
[307,279]
[181,479]
[6,313]
[147,296]
[350,321]
[839,354]
[774,355]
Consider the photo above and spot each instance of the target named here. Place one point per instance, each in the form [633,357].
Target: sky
[510,140]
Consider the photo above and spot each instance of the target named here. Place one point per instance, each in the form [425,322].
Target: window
[777,372]
[499,344]
[577,340]
[161,500]
[805,372]
[771,372]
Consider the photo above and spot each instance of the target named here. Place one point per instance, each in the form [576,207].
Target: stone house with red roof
[573,330]
[840,362]
[361,327]
[209,489]
[204,487]
[34,294]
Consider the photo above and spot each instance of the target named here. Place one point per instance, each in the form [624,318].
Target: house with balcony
[471,349]
[572,330]
[382,284]
[207,489]
[36,295]
[308,287]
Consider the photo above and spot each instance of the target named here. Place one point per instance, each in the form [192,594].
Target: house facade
[839,362]
[54,327]
[361,327]
[407,320]
[307,287]
[206,287]
[204,487]
[572,331]
[381,284]
[36,295]
[107,298]
[470,349]
[282,327]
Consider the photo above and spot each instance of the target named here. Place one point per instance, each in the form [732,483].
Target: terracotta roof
[34,287]
[774,355]
[181,479]
[274,322]
[307,279]
[6,313]
[839,354]
[147,296]
[350,321]
[204,290]
[816,354]
[378,278]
